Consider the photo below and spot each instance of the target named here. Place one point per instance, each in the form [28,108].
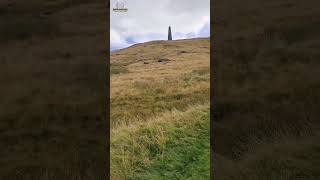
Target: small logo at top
[120,6]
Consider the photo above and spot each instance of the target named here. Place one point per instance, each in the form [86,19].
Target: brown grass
[159,108]
[266,124]
[52,116]
[141,84]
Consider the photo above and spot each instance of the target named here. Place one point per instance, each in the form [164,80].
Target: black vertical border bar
[107,90]
[212,92]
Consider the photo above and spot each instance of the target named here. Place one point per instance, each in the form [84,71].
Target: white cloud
[148,20]
[116,40]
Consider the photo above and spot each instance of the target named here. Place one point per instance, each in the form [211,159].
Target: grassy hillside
[52,76]
[267,61]
[160,110]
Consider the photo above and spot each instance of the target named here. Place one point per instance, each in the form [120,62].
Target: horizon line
[155,40]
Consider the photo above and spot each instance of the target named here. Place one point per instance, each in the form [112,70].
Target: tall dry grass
[52,105]
[266,91]
[160,110]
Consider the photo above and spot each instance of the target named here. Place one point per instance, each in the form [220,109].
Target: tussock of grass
[118,70]
[267,115]
[284,159]
[174,145]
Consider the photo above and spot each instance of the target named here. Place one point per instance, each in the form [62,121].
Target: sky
[148,20]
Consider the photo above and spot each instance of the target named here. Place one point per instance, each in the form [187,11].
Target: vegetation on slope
[52,105]
[267,122]
[160,110]
[174,145]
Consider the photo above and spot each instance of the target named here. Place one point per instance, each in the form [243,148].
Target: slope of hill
[52,77]
[160,110]
[266,55]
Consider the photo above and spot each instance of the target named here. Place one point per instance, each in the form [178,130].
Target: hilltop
[160,110]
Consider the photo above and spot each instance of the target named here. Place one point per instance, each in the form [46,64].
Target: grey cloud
[145,18]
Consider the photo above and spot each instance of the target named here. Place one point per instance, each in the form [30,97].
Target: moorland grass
[52,105]
[160,111]
[175,145]
[267,120]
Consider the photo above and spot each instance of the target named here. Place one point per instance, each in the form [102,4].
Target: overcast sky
[148,20]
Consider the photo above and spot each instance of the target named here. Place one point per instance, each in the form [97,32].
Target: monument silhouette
[169,34]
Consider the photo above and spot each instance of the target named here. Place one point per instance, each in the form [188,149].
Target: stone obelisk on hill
[169,34]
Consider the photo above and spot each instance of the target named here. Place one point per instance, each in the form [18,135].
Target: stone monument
[169,34]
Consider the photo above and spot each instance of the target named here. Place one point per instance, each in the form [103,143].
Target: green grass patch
[118,69]
[173,146]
